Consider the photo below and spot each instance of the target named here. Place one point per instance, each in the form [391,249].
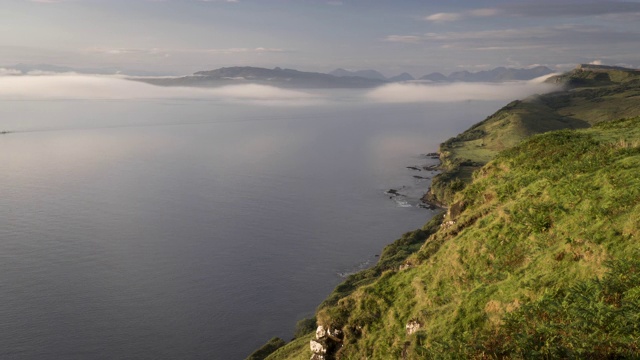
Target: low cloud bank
[413,92]
[89,87]
[109,87]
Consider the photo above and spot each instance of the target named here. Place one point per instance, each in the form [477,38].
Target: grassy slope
[393,255]
[593,97]
[541,220]
[472,281]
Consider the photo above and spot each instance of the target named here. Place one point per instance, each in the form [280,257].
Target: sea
[194,228]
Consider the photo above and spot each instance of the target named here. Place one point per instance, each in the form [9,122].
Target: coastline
[391,257]
[460,159]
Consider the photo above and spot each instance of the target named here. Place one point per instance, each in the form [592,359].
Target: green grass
[577,107]
[297,349]
[542,221]
[538,257]
[393,255]
[266,349]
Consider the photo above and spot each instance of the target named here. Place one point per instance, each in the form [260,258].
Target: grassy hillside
[539,253]
[542,262]
[592,96]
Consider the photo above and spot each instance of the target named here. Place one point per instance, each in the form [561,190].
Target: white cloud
[444,17]
[166,52]
[571,8]
[9,72]
[74,86]
[523,38]
[422,92]
[408,39]
[484,12]
[258,50]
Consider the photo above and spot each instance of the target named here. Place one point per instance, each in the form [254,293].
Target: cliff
[537,256]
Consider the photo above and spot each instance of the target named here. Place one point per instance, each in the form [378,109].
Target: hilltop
[537,255]
[593,94]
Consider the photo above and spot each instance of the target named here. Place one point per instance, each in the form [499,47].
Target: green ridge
[538,256]
[592,96]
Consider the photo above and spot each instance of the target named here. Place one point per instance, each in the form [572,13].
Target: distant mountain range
[290,78]
[498,74]
[339,78]
[372,74]
[367,74]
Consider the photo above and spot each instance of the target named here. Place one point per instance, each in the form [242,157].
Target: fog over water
[75,86]
[145,223]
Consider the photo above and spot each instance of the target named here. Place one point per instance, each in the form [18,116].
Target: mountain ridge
[287,78]
[499,74]
[291,78]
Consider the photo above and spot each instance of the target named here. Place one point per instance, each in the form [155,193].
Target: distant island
[339,78]
[499,74]
[285,78]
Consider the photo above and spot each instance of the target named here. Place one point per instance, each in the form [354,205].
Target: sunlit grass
[539,260]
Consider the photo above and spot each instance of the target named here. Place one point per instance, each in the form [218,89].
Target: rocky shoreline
[328,341]
[425,201]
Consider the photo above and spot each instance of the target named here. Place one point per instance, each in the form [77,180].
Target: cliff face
[537,256]
[541,249]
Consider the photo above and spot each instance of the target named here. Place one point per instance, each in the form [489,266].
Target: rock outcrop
[412,326]
[326,343]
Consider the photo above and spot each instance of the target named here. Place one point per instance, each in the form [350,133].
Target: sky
[392,36]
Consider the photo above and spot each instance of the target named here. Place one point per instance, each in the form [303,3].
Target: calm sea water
[178,229]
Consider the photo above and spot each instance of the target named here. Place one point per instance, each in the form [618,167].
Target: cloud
[571,8]
[408,39]
[74,86]
[422,92]
[258,50]
[523,38]
[167,51]
[444,17]
[9,72]
[484,12]
[545,9]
